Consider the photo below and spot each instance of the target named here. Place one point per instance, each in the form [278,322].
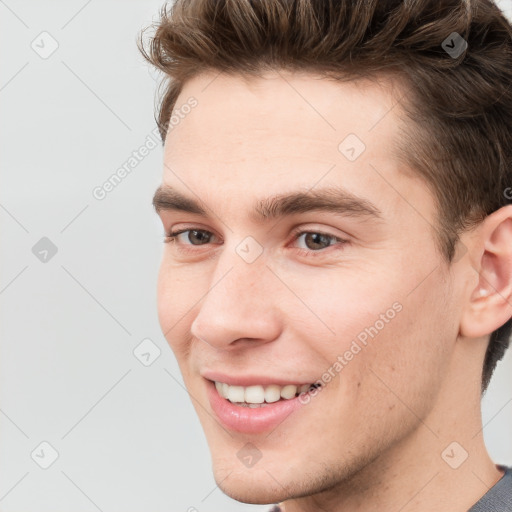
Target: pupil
[316,239]
[199,235]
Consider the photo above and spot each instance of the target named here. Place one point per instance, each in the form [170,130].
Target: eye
[190,236]
[316,241]
[309,242]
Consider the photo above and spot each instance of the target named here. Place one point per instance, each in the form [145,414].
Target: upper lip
[251,380]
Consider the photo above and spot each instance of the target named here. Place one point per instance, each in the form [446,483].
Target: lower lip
[250,420]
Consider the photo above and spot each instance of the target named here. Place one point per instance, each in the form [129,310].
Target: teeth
[236,394]
[272,394]
[288,391]
[304,388]
[253,396]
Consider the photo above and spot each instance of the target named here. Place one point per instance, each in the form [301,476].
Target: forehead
[280,111]
[266,135]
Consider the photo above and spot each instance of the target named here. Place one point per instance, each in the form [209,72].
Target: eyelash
[170,238]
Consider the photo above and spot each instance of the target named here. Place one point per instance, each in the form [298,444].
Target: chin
[256,487]
[280,477]
[270,482]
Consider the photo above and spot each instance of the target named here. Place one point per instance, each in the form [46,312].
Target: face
[305,255]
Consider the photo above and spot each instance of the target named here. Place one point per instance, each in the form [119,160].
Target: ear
[489,304]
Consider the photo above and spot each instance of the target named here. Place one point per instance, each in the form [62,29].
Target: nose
[240,307]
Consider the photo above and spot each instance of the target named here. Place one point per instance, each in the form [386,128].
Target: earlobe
[489,305]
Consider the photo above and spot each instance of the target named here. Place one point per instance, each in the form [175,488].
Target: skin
[372,439]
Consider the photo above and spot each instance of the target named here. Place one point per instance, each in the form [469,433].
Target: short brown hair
[459,106]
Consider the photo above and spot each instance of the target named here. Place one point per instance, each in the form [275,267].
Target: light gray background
[126,435]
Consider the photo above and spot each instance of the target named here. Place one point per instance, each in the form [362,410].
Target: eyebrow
[328,199]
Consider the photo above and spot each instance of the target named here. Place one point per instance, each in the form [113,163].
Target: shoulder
[499,497]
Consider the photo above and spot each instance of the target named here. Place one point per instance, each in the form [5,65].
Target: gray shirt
[497,499]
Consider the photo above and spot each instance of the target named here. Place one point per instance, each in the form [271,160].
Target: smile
[259,395]
[256,408]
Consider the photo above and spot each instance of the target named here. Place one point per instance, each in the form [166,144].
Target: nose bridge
[238,304]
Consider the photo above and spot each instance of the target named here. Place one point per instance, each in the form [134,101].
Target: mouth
[259,407]
[260,395]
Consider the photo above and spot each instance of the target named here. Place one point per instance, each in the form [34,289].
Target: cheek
[339,306]
[403,366]
[177,293]
[374,322]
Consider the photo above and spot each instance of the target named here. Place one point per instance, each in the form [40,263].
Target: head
[342,185]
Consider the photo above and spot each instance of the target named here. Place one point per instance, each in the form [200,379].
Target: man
[337,279]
